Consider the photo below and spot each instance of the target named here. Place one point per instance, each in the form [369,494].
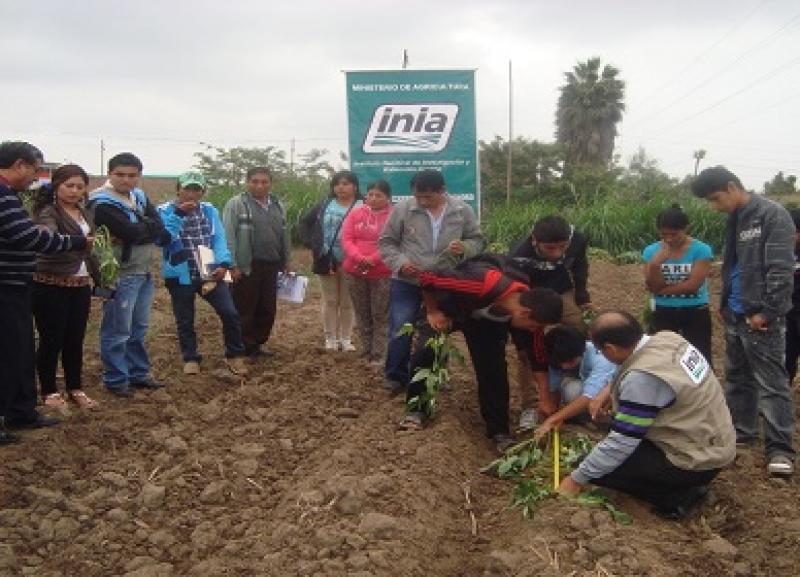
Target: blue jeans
[756,382]
[221,301]
[404,302]
[123,330]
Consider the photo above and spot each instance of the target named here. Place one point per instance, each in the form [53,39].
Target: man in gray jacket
[757,281]
[255,226]
[428,232]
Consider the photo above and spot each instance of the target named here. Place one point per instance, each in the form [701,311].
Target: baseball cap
[192,179]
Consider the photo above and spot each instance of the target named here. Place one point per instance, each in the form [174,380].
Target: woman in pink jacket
[367,275]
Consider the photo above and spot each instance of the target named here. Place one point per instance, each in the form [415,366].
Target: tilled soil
[300,470]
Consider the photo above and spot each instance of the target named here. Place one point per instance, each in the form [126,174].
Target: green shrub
[297,196]
[616,224]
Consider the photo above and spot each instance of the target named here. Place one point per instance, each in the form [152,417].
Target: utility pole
[405,58]
[291,157]
[510,133]
[102,158]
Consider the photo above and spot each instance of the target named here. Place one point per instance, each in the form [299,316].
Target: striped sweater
[21,240]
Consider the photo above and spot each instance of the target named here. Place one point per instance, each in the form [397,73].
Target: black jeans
[61,314]
[792,343]
[256,298]
[648,475]
[692,323]
[222,303]
[17,374]
[486,341]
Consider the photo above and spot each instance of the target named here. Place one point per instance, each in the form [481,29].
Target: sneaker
[394,387]
[413,421]
[780,466]
[237,366]
[527,420]
[502,442]
[125,392]
[347,346]
[38,422]
[694,497]
[191,368]
[57,402]
[6,437]
[146,383]
[331,344]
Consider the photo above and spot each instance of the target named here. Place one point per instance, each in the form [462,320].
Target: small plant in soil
[109,267]
[437,376]
[530,467]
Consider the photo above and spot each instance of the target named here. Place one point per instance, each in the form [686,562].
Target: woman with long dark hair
[62,288]
[321,230]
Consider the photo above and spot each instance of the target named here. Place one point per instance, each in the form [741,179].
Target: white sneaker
[347,346]
[780,466]
[527,420]
[331,345]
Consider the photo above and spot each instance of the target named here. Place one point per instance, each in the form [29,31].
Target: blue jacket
[174,262]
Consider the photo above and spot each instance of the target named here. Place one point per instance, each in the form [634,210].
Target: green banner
[404,121]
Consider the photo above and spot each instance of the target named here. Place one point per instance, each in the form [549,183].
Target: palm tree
[698,156]
[589,108]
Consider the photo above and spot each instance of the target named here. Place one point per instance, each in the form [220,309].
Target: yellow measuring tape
[556,459]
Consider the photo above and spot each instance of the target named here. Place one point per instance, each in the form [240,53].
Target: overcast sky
[160,77]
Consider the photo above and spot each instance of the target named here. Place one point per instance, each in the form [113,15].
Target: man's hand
[757,322]
[409,269]
[598,406]
[89,242]
[219,274]
[550,423]
[588,307]
[569,487]
[236,274]
[438,321]
[456,247]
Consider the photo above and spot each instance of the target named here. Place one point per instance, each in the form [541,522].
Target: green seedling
[109,267]
[530,467]
[437,376]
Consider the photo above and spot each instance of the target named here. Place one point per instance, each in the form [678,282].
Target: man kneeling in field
[671,431]
[482,301]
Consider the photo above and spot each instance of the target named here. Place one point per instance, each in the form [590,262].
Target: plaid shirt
[196,231]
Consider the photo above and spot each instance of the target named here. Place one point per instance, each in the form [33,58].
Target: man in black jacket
[552,256]
[482,298]
[757,271]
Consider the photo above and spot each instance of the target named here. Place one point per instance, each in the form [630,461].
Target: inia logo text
[410,128]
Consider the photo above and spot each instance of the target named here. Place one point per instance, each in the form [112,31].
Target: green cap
[192,179]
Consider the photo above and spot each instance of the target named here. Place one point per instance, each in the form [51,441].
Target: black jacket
[571,272]
[759,237]
[313,236]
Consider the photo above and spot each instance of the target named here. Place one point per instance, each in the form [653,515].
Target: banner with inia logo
[404,121]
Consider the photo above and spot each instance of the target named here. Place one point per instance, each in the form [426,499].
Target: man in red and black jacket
[482,299]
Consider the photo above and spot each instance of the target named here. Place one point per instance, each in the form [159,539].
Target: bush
[616,224]
[297,196]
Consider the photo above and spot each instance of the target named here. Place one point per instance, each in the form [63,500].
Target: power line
[745,88]
[702,55]
[723,70]
[738,119]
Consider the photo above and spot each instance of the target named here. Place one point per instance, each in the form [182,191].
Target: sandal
[82,400]
[56,402]
[413,421]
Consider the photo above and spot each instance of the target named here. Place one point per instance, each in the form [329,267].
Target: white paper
[292,287]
